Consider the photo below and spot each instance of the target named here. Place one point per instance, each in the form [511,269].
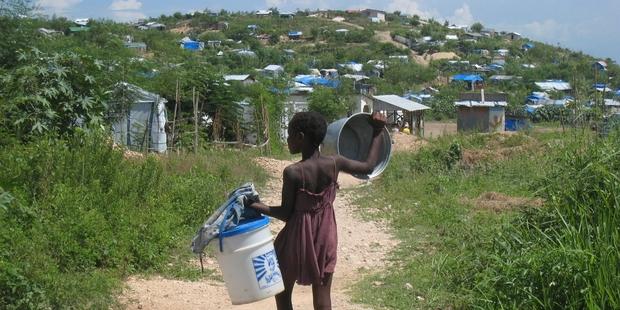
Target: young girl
[306,246]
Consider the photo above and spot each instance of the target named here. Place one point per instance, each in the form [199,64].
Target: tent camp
[143,121]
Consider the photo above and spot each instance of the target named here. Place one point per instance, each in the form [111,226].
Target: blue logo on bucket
[267,270]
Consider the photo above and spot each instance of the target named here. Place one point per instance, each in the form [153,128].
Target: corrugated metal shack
[481,112]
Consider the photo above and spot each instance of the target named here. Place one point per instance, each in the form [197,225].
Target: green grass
[428,195]
[76,218]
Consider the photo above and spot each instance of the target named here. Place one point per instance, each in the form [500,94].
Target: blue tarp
[495,67]
[467,78]
[618,92]
[314,80]
[528,46]
[295,34]
[191,45]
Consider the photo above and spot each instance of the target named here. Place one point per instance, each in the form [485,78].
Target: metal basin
[351,137]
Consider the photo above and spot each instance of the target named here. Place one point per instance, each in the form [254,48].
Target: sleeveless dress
[306,246]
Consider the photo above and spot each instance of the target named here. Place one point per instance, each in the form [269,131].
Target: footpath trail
[363,248]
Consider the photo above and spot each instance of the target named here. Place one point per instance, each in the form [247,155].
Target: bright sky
[589,26]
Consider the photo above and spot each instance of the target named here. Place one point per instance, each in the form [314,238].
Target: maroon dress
[306,246]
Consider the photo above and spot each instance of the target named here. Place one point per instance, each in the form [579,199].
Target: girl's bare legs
[321,294]
[284,299]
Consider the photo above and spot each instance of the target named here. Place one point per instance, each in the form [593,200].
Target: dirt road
[385,37]
[363,247]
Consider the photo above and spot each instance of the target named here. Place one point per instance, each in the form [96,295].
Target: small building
[287,15]
[502,52]
[473,81]
[342,31]
[189,44]
[376,16]
[295,35]
[600,65]
[155,26]
[400,110]
[252,27]
[289,53]
[612,106]
[554,85]
[142,125]
[504,78]
[338,19]
[214,43]
[472,35]
[481,113]
[244,53]
[488,32]
[49,32]
[138,46]
[273,70]
[452,37]
[527,46]
[352,66]
[73,30]
[82,22]
[263,13]
[512,36]
[244,79]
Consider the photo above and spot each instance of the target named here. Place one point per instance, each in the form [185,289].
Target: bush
[565,255]
[75,217]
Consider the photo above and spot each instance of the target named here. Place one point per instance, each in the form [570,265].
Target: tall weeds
[75,216]
[567,254]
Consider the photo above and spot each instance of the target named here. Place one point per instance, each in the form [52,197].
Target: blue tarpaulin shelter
[312,80]
[527,46]
[192,45]
[468,78]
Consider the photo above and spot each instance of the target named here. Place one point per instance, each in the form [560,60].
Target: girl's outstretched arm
[290,183]
[378,122]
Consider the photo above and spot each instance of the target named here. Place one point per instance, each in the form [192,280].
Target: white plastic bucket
[351,137]
[248,262]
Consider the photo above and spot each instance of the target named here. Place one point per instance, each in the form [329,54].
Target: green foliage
[327,102]
[53,93]
[566,254]
[476,27]
[81,217]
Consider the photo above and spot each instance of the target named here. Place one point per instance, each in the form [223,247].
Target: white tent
[144,120]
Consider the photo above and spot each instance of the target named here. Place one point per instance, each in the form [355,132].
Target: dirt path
[385,37]
[363,247]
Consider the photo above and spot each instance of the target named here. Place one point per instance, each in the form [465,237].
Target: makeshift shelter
[401,110]
[480,112]
[471,79]
[295,35]
[273,70]
[142,124]
[554,85]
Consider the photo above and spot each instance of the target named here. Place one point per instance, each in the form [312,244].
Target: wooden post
[195,102]
[174,119]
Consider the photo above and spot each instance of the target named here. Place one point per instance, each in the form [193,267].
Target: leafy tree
[326,101]
[55,93]
[476,27]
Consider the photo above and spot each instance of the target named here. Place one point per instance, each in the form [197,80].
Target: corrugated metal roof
[401,103]
[476,100]
[553,85]
[274,68]
[236,77]
[470,103]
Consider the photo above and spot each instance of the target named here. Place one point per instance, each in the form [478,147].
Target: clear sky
[589,26]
